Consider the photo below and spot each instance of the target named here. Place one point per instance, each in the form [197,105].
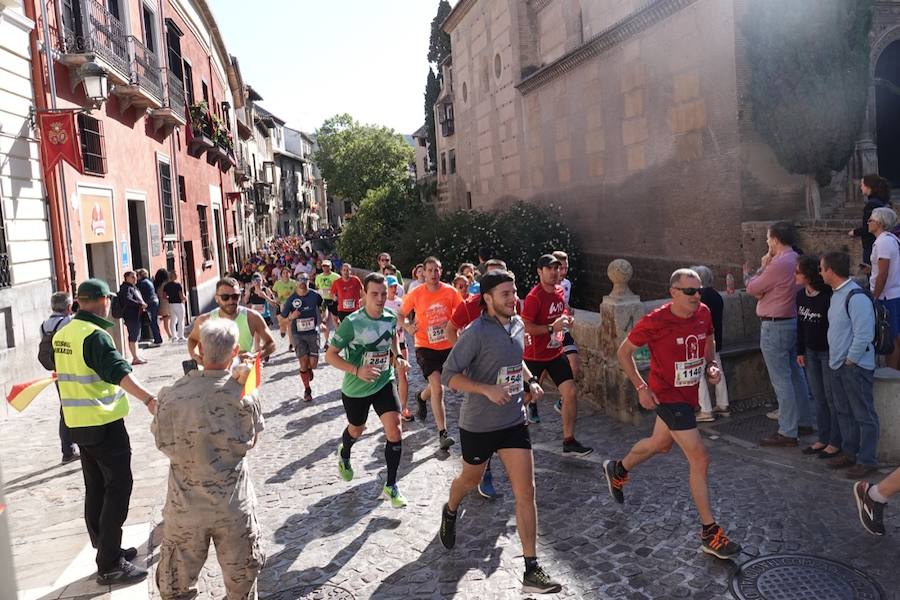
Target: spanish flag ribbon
[21,394]
[254,378]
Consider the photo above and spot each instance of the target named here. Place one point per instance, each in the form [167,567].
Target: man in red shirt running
[544,313]
[682,346]
[346,292]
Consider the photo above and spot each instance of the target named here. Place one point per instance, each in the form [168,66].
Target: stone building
[634,118]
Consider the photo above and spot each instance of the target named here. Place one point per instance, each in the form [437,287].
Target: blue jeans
[778,343]
[856,413]
[819,377]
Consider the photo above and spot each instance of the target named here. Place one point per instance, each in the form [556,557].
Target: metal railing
[145,69]
[175,99]
[5,271]
[97,31]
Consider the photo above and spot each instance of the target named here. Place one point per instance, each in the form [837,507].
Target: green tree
[356,158]
[810,77]
[432,89]
[439,44]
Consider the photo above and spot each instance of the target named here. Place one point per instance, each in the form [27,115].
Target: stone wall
[813,237]
[22,310]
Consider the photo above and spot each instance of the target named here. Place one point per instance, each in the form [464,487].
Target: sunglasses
[689,291]
[231,297]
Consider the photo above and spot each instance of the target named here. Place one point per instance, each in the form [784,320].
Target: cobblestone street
[320,532]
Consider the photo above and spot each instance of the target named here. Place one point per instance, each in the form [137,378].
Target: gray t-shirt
[491,353]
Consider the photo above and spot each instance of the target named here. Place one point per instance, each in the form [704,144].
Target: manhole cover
[802,577]
[311,592]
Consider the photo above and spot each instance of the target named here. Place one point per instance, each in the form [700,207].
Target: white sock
[875,495]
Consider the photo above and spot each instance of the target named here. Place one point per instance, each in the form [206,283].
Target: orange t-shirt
[433,311]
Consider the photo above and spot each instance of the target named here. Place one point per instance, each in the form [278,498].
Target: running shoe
[538,582]
[773,414]
[307,395]
[576,448]
[533,416]
[448,528]
[423,407]
[613,481]
[557,406]
[345,471]
[718,544]
[446,441]
[123,572]
[871,513]
[486,485]
[407,416]
[705,417]
[392,493]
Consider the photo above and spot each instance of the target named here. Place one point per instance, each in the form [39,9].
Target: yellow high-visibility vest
[87,400]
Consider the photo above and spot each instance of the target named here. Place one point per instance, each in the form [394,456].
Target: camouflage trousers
[185,547]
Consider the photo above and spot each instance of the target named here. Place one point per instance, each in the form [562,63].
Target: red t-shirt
[346,293]
[542,308]
[467,311]
[677,351]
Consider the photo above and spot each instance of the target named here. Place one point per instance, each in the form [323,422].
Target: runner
[394,303]
[461,283]
[368,339]
[324,281]
[544,313]
[301,312]
[433,304]
[682,346]
[283,289]
[346,292]
[570,349]
[418,277]
[871,500]
[250,323]
[486,364]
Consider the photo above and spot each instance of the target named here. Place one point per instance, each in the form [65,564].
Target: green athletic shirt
[283,289]
[324,282]
[362,337]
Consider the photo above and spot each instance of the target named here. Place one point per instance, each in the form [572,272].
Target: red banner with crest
[59,139]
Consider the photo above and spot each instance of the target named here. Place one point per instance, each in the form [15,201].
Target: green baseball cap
[93,288]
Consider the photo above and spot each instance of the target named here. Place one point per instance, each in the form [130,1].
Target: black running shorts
[342,315]
[478,447]
[677,417]
[383,401]
[330,306]
[431,360]
[559,369]
[306,344]
[569,346]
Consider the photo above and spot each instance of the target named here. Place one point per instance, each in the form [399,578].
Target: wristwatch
[534,380]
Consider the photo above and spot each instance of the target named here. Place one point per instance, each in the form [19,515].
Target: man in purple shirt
[774,287]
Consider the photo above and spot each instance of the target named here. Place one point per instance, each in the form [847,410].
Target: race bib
[689,372]
[512,378]
[556,339]
[379,360]
[437,333]
[304,325]
[348,304]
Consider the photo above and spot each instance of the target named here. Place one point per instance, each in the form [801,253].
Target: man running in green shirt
[323,283]
[368,340]
[283,289]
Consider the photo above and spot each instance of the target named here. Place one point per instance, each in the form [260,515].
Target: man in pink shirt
[774,287]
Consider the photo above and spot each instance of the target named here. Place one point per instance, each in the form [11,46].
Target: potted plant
[201,131]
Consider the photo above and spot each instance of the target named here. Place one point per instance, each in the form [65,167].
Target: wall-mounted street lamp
[96,85]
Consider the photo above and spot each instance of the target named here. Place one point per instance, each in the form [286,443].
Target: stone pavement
[324,536]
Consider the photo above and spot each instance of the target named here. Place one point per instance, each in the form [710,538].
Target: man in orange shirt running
[433,303]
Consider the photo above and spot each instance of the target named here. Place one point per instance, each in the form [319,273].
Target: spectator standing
[148,294]
[133,306]
[713,301]
[851,356]
[159,281]
[813,302]
[61,305]
[877,191]
[418,277]
[205,426]
[884,282]
[175,295]
[774,287]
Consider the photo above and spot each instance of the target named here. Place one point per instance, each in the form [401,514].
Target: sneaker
[533,416]
[345,471]
[447,532]
[773,414]
[422,413]
[557,406]
[705,417]
[871,513]
[307,395]
[446,441]
[538,582]
[720,411]
[486,485]
[575,447]
[406,416]
[124,572]
[392,493]
[718,544]
[70,458]
[613,481]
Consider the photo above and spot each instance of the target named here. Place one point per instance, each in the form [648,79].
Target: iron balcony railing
[93,29]
[145,69]
[175,100]
[5,272]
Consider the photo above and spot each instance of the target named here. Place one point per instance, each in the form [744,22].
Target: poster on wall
[124,253]
[155,240]
[96,219]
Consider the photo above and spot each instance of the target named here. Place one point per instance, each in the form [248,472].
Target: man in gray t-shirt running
[486,364]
